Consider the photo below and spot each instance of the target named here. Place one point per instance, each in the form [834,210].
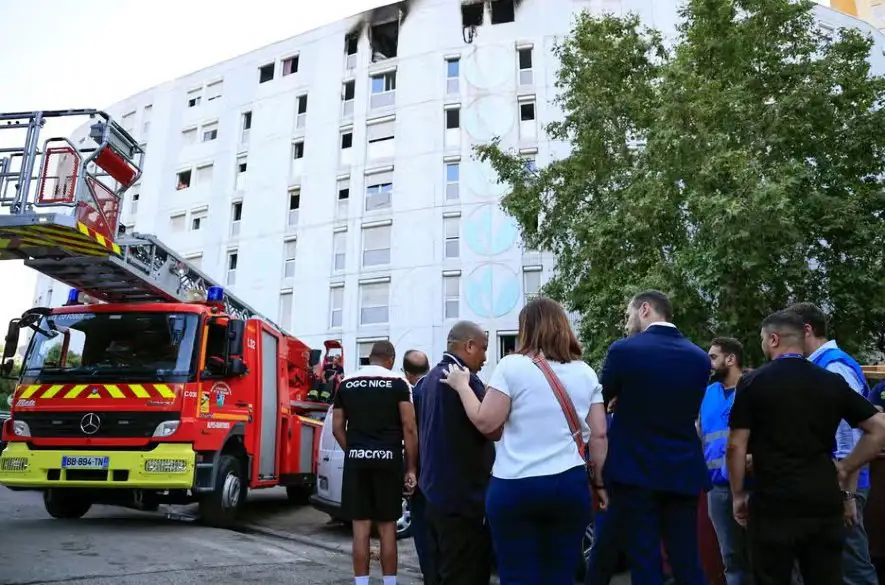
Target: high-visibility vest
[715,410]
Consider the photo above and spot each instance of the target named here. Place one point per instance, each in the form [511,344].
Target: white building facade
[328,179]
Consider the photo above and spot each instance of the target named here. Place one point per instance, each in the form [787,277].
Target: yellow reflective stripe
[139,391]
[101,240]
[52,391]
[116,248]
[30,391]
[114,391]
[96,395]
[82,227]
[164,390]
[75,391]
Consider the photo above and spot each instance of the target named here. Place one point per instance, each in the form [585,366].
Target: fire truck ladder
[85,248]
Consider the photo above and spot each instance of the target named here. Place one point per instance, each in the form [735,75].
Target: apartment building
[328,179]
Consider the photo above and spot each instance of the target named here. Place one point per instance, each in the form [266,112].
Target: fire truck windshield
[127,347]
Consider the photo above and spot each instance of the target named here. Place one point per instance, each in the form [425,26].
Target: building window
[527,112]
[381,139]
[343,198]
[290,65]
[209,132]
[301,111]
[133,203]
[531,282]
[294,206]
[453,75]
[374,303]
[453,118]
[339,251]
[383,90]
[526,75]
[189,136]
[285,309]
[127,121]
[348,93]
[236,216]
[472,14]
[503,11]
[347,140]
[531,165]
[232,257]
[364,348]
[242,169]
[246,125]
[177,222]
[198,219]
[196,261]
[528,129]
[379,189]
[298,150]
[194,97]
[376,246]
[451,229]
[452,297]
[351,46]
[453,181]
[184,179]
[384,39]
[214,91]
[336,307]
[290,247]
[204,174]
[506,344]
[266,73]
[146,119]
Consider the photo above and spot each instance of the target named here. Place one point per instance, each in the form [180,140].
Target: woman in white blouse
[539,500]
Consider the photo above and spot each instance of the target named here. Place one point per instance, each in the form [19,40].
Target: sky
[47,47]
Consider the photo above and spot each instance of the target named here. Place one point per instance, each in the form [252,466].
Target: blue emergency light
[215,294]
[73,297]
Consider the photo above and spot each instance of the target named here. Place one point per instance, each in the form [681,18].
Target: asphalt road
[112,546]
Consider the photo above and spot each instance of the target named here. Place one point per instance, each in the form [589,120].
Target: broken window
[472,13]
[503,11]
[290,65]
[266,73]
[385,38]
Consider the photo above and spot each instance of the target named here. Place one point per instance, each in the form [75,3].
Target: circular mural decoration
[482,181]
[487,67]
[488,117]
[492,290]
[489,231]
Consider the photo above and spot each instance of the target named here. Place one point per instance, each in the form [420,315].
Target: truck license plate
[71,462]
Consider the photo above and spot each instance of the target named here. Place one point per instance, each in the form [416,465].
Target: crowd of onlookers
[509,473]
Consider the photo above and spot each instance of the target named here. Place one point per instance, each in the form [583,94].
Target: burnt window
[503,11]
[351,44]
[472,14]
[385,40]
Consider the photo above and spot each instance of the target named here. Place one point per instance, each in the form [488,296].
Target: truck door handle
[325,458]
[241,404]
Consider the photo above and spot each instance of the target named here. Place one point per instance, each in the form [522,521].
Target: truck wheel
[66,504]
[219,509]
[298,494]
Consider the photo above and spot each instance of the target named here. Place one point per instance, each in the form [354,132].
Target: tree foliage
[738,167]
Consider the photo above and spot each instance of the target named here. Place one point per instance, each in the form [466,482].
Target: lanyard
[790,355]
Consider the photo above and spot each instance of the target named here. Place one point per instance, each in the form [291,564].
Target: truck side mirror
[315,356]
[236,334]
[11,341]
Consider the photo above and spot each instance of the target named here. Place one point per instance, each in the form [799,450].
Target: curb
[315,542]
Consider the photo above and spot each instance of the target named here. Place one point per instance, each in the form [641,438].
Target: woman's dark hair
[544,327]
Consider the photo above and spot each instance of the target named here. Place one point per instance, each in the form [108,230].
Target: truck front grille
[110,425]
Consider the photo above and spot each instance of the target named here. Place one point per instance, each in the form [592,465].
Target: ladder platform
[56,236]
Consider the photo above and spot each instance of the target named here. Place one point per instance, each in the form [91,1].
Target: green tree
[7,385]
[738,168]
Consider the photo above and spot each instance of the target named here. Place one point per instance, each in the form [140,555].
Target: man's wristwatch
[848,496]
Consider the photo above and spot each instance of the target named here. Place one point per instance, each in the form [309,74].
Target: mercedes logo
[90,423]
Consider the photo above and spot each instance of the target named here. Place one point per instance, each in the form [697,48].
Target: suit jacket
[659,378]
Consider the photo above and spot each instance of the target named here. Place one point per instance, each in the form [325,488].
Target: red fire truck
[152,384]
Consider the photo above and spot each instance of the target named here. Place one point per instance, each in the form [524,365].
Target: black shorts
[372,493]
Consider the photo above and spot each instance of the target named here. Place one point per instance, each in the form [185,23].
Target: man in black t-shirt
[785,414]
[372,420]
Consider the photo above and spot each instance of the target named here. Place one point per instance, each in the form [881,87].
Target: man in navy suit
[655,471]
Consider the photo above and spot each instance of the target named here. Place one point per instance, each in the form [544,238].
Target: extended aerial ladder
[85,247]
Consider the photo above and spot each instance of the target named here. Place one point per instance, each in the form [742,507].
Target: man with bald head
[456,464]
[415,365]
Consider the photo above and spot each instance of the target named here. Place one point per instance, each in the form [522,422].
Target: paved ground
[112,546]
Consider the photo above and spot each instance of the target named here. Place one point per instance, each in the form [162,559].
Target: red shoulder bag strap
[565,402]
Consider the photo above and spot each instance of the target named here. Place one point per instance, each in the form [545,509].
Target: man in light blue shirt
[857,567]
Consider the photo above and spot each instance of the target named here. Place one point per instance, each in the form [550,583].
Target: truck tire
[220,508]
[66,504]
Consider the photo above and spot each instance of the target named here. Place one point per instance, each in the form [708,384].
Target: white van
[330,470]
